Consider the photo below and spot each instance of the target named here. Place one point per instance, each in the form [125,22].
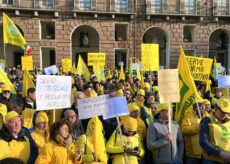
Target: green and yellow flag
[130,68]
[82,68]
[13,36]
[26,83]
[188,91]
[99,72]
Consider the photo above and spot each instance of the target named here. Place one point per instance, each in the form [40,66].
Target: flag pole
[4,49]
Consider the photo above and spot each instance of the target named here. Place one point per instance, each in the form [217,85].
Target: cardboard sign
[150,57]
[27,63]
[66,65]
[91,107]
[53,92]
[168,85]
[51,70]
[117,106]
[199,67]
[96,59]
[224,81]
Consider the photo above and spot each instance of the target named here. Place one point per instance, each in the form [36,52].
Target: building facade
[68,28]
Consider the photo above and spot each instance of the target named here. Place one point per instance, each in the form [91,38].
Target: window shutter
[112,5]
[198,8]
[131,6]
[148,6]
[215,7]
[16,3]
[76,4]
[93,5]
[164,6]
[182,6]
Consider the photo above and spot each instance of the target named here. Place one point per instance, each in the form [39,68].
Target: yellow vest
[15,149]
[219,136]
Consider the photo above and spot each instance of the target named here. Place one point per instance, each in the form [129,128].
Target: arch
[84,39]
[219,47]
[14,53]
[159,35]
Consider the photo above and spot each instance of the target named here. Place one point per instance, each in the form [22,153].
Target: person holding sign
[214,134]
[166,146]
[190,128]
[125,146]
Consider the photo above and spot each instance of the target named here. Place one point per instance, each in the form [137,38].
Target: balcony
[115,6]
[9,3]
[46,4]
[221,9]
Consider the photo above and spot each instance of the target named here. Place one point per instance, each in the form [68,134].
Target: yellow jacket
[141,128]
[53,153]
[190,129]
[115,147]
[27,115]
[3,111]
[15,149]
[40,137]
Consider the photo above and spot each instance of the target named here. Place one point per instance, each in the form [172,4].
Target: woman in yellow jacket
[190,128]
[41,133]
[61,148]
[92,144]
[127,146]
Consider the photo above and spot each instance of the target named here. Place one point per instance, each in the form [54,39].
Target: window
[48,3]
[48,30]
[189,33]
[121,33]
[190,52]
[85,4]
[122,5]
[222,6]
[48,56]
[156,6]
[7,2]
[190,6]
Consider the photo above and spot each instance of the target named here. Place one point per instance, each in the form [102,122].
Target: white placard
[135,65]
[223,81]
[91,107]
[53,92]
[51,70]
[117,106]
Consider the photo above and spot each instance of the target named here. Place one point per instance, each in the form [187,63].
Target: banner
[150,57]
[223,81]
[51,70]
[96,59]
[168,85]
[200,68]
[117,106]
[27,63]
[91,107]
[53,92]
[66,65]
[188,91]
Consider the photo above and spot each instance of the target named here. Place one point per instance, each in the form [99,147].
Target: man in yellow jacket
[15,141]
[190,128]
[214,134]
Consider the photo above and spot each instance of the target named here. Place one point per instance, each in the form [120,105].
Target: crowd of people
[143,137]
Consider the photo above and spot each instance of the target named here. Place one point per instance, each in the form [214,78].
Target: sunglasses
[6,91]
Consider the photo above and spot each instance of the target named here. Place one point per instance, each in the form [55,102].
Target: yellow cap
[146,85]
[130,124]
[207,102]
[224,105]
[141,92]
[11,115]
[162,106]
[119,93]
[42,117]
[133,107]
[6,88]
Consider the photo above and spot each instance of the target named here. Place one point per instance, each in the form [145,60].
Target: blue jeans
[191,160]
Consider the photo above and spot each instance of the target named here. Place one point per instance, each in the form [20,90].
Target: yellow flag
[82,69]
[73,69]
[11,33]
[99,72]
[26,83]
[109,74]
[188,91]
[122,74]
[4,79]
[66,65]
[138,72]
[130,68]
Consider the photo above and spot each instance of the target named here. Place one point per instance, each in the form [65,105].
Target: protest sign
[150,57]
[53,92]
[199,67]
[168,85]
[91,107]
[224,81]
[51,70]
[117,106]
[96,59]
[66,65]
[27,63]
